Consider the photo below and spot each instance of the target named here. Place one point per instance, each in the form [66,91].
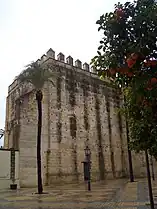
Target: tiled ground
[105,195]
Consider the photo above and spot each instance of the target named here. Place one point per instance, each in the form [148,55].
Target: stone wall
[80,110]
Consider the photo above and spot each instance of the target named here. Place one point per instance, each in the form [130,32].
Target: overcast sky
[28,28]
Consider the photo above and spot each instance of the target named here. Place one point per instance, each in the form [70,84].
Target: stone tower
[80,110]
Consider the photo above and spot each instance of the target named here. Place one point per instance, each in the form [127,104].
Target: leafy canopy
[36,75]
[128,54]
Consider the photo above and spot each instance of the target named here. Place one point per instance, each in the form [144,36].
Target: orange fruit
[130,74]
[130,62]
[153,62]
[153,80]
[119,12]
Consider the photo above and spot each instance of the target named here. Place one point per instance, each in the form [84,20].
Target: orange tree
[128,54]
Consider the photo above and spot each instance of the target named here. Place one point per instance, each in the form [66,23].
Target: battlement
[68,60]
[66,63]
[60,60]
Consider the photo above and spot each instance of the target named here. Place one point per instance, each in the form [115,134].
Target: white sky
[28,28]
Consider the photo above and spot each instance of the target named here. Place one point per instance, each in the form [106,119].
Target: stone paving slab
[118,194]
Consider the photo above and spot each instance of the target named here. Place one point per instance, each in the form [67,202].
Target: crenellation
[60,61]
[61,57]
[86,66]
[93,70]
[69,60]
[43,58]
[50,53]
[78,64]
[38,61]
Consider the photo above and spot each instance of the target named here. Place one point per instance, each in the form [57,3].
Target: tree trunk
[131,174]
[152,166]
[149,182]
[39,97]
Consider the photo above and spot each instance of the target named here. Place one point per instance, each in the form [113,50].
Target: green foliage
[36,75]
[130,28]
[128,54]
[142,122]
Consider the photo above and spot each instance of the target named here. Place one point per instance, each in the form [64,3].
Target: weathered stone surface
[79,110]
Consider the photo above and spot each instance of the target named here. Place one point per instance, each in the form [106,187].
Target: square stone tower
[80,110]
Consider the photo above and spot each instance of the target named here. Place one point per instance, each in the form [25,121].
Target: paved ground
[107,195]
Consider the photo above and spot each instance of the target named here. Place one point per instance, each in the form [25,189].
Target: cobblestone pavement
[105,195]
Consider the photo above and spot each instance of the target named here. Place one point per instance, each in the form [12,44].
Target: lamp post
[88,165]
